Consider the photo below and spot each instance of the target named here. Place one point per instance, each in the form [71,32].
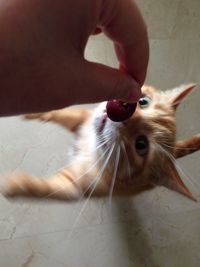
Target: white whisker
[111,151]
[176,164]
[94,183]
[78,178]
[88,154]
[114,175]
[127,160]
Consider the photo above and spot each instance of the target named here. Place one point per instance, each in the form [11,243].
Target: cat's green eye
[144,101]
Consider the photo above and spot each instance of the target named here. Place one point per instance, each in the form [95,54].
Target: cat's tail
[60,186]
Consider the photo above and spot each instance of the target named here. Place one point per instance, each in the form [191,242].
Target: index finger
[122,22]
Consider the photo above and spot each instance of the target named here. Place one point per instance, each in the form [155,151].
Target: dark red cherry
[120,111]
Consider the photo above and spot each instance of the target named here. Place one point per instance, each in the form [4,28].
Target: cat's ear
[173,181]
[177,94]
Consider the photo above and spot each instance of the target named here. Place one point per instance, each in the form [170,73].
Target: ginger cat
[110,158]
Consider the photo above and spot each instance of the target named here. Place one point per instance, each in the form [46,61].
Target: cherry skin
[120,111]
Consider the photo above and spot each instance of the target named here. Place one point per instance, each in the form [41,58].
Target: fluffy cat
[112,158]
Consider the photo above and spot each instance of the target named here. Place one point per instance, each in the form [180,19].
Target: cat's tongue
[118,110]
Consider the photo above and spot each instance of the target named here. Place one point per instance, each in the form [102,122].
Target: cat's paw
[11,184]
[5,185]
[46,116]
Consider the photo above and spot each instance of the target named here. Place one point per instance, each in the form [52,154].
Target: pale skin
[42,43]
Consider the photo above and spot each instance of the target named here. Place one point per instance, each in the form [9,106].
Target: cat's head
[144,144]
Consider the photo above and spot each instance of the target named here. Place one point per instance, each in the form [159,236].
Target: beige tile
[173,62]
[172,19]
[100,49]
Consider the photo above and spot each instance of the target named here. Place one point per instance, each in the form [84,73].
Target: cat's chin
[103,122]
[100,117]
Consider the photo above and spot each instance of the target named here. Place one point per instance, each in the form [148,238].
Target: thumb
[104,83]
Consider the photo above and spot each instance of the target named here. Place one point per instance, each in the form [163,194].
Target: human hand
[42,65]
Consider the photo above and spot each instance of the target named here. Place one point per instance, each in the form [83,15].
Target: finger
[123,23]
[101,83]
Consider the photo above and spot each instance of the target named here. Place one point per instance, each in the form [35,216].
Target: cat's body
[115,158]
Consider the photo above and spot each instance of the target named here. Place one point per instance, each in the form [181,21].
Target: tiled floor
[157,228]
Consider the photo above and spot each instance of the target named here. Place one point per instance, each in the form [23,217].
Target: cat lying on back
[121,158]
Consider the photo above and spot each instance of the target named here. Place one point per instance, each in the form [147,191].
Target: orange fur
[107,160]
[186,147]
[68,117]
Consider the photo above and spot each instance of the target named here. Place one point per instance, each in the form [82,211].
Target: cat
[115,158]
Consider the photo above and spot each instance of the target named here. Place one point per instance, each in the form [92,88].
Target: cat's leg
[188,146]
[71,118]
[63,185]
[60,186]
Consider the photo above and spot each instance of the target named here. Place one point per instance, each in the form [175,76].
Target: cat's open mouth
[103,121]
